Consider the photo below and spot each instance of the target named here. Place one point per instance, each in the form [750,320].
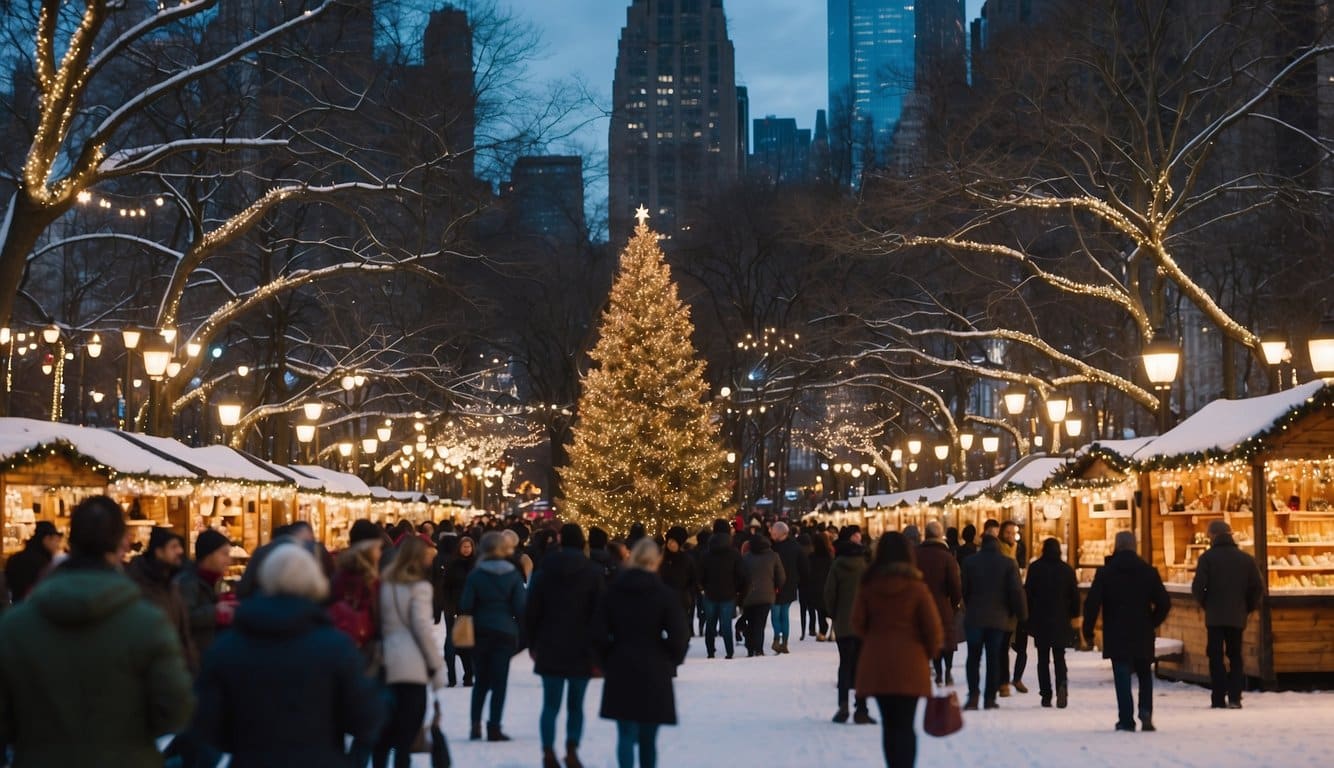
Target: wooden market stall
[1265,465]
[333,504]
[1028,496]
[1103,486]
[46,468]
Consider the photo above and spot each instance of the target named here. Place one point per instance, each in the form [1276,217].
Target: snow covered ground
[775,711]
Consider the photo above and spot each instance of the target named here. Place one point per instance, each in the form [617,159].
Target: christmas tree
[645,448]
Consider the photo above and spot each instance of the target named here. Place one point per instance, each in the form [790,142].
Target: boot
[862,717]
[774,645]
[1004,690]
[1062,697]
[1020,687]
[549,759]
[572,755]
[949,678]
[971,703]
[841,716]
[782,646]
[493,733]
[475,733]
[1046,700]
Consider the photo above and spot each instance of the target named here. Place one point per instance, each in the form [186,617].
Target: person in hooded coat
[765,573]
[1227,585]
[562,598]
[494,596]
[840,591]
[284,687]
[898,622]
[678,570]
[726,582]
[155,572]
[1053,602]
[26,566]
[1130,595]
[455,576]
[940,573]
[811,589]
[641,636]
[91,672]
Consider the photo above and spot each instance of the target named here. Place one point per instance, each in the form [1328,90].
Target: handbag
[463,635]
[943,714]
[431,740]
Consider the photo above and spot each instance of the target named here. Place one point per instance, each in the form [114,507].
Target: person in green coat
[840,592]
[91,673]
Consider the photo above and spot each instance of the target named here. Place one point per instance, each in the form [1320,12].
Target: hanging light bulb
[95,346]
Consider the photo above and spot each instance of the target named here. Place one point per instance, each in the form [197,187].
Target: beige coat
[411,654]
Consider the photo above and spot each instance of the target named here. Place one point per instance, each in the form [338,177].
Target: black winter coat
[993,595]
[201,603]
[24,568]
[811,588]
[642,636]
[679,574]
[796,566]
[722,573]
[562,598]
[1130,594]
[455,576]
[1053,601]
[1227,584]
[284,687]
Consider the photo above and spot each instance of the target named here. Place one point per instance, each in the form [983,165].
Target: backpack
[353,619]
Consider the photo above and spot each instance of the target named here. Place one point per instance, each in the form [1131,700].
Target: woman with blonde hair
[494,596]
[636,613]
[283,686]
[412,660]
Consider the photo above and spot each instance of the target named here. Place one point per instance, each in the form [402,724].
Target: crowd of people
[330,659]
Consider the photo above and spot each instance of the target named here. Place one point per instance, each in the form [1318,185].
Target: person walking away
[562,599]
[898,621]
[1017,638]
[678,570]
[355,589]
[764,572]
[599,552]
[940,574]
[412,660]
[697,553]
[726,582]
[494,596]
[199,582]
[28,565]
[1130,596]
[993,599]
[811,589]
[967,547]
[91,673]
[284,687]
[1228,587]
[1053,603]
[641,638]
[155,572]
[840,592]
[456,575]
[796,566]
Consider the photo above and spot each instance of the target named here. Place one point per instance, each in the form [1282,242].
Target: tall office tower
[742,127]
[545,197]
[674,136]
[880,52]
[447,61]
[782,151]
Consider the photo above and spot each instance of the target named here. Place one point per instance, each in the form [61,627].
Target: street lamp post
[229,415]
[1321,349]
[157,356]
[131,336]
[1162,358]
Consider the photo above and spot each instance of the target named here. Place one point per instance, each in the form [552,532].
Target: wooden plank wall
[1186,623]
[1303,636]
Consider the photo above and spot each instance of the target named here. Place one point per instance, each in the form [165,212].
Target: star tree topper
[642,214]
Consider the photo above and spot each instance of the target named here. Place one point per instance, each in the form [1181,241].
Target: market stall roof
[935,494]
[1124,448]
[1035,473]
[1222,426]
[409,496]
[105,448]
[303,481]
[381,493]
[335,482]
[971,490]
[215,462]
[878,500]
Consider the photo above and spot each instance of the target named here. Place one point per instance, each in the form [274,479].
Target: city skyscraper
[880,53]
[782,150]
[674,134]
[545,197]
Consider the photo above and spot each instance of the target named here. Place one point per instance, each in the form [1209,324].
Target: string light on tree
[645,447]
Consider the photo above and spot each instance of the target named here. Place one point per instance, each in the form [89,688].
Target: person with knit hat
[198,583]
[355,586]
[27,566]
[679,570]
[155,572]
[562,598]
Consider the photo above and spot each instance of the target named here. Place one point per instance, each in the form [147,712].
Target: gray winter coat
[1227,584]
[766,573]
[993,595]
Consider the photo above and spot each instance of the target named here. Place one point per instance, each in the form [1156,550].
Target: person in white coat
[412,658]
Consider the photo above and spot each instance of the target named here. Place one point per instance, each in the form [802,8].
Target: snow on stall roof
[103,446]
[1123,448]
[1222,425]
[971,490]
[1035,473]
[218,462]
[333,481]
[381,493]
[407,496]
[303,481]
[935,494]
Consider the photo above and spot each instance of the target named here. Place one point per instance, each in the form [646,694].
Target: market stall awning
[1035,473]
[1221,428]
[381,493]
[103,451]
[334,482]
[216,462]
